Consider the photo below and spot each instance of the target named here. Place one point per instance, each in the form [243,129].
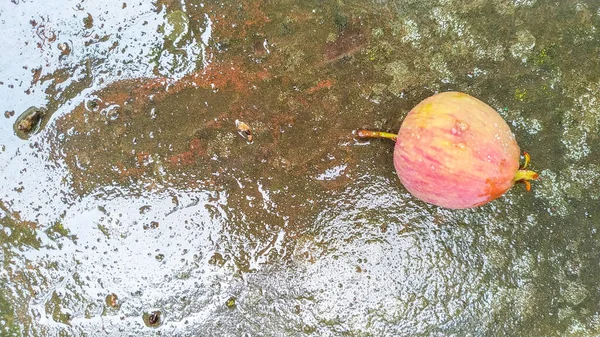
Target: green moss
[520,94]
[104,230]
[308,329]
[381,52]
[21,233]
[542,57]
[54,307]
[230,303]
[57,230]
[10,326]
[176,26]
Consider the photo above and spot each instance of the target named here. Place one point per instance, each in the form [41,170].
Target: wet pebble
[112,301]
[153,319]
[28,122]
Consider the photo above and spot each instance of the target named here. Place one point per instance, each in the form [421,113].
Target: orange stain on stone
[184,158]
[125,172]
[324,84]
[246,17]
[197,147]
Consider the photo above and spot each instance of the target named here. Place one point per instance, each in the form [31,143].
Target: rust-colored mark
[126,172]
[142,158]
[197,147]
[263,75]
[249,16]
[219,75]
[37,73]
[184,158]
[324,84]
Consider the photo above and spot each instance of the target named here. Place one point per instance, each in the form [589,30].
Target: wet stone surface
[137,204]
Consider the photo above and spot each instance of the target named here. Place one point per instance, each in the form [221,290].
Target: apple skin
[455,151]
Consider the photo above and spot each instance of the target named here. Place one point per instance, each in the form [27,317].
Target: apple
[455,151]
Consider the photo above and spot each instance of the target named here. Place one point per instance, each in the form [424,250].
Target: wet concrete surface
[134,207]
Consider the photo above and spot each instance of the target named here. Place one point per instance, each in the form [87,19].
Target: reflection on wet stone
[311,231]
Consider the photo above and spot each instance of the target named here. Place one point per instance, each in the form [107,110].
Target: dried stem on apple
[376,134]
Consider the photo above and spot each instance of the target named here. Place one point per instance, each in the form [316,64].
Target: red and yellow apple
[455,151]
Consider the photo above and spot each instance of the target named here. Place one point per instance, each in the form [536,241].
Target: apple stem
[376,134]
[523,175]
